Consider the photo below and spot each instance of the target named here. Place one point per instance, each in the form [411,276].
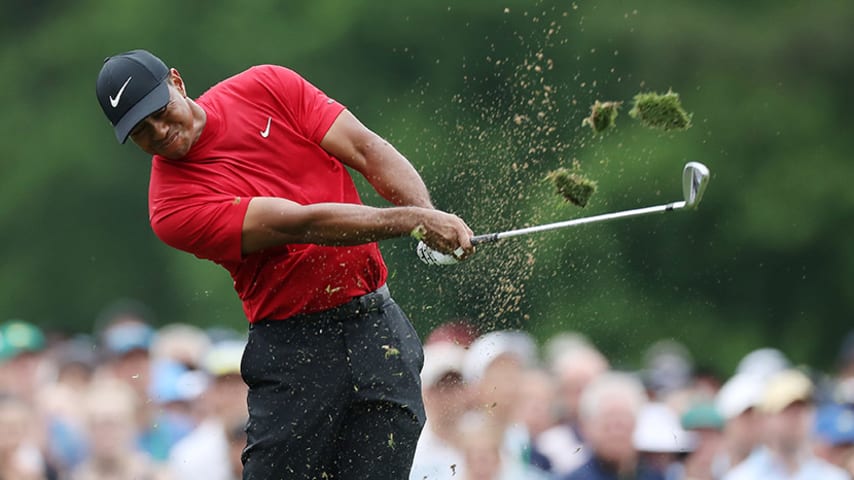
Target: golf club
[695,178]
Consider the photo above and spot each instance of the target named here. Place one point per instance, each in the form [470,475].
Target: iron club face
[695,178]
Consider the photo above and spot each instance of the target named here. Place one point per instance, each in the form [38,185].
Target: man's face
[170,131]
[743,431]
[499,387]
[610,430]
[447,399]
[790,429]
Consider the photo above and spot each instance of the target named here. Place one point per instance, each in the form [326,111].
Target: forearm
[345,224]
[273,221]
[393,177]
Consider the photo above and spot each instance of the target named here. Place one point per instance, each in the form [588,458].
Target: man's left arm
[387,170]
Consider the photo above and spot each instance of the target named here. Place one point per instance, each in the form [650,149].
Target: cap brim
[152,102]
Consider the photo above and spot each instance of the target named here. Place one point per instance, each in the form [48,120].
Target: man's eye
[156,114]
[161,111]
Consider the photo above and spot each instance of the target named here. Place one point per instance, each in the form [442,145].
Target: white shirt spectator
[435,459]
[762,464]
[202,454]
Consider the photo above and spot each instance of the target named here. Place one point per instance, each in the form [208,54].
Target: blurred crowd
[131,401]
[501,408]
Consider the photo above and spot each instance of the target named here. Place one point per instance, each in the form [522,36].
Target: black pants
[334,395]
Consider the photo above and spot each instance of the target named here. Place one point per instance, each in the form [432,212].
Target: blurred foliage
[484,99]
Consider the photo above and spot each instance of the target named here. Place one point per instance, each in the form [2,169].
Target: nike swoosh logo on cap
[115,101]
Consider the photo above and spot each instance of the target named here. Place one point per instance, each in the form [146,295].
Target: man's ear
[177,81]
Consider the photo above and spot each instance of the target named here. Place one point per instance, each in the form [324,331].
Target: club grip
[485,238]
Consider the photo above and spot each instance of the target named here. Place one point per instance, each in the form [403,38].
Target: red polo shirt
[262,138]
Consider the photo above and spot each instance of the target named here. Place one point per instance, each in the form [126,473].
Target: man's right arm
[275,221]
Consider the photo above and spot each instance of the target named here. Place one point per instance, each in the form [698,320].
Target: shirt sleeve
[312,110]
[210,228]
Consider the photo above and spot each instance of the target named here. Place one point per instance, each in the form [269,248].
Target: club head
[695,177]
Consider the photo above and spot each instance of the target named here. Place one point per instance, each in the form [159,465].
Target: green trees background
[484,98]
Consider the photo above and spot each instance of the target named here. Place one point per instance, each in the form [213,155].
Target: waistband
[369,302]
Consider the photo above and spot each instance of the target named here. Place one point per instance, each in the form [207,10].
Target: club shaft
[494,237]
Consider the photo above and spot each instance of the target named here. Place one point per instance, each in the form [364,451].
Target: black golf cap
[131,86]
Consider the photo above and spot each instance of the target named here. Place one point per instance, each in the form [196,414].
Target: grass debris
[603,115]
[572,185]
[660,111]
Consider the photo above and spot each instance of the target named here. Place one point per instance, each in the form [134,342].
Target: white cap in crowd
[440,359]
[658,430]
[740,393]
[492,345]
[763,362]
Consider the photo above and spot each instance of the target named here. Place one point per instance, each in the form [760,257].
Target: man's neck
[200,119]
[623,468]
[789,455]
[738,453]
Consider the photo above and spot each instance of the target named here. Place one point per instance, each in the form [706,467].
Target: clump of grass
[390,351]
[603,115]
[572,185]
[660,111]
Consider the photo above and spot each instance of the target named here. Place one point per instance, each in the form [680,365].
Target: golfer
[252,175]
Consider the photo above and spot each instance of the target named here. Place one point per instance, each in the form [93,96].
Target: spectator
[661,441]
[126,337]
[536,411]
[182,344]
[173,391]
[736,401]
[706,423]
[76,360]
[574,368]
[205,452]
[125,342]
[22,347]
[112,429]
[61,407]
[177,353]
[485,452]
[787,406]
[60,400]
[25,370]
[494,367]
[446,399]
[481,440]
[20,459]
[608,412]
[668,368]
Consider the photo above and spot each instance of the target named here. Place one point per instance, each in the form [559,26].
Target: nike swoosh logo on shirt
[266,132]
[115,101]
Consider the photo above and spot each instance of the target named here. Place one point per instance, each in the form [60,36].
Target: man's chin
[175,152]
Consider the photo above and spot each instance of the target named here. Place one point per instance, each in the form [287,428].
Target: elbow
[367,154]
[270,222]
